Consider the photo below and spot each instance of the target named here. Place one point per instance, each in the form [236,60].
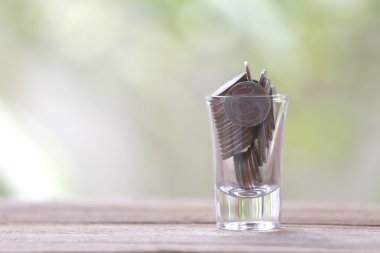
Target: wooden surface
[180,226]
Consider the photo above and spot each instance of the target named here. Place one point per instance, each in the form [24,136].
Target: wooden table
[180,226]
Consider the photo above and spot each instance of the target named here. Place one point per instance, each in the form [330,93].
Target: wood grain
[172,225]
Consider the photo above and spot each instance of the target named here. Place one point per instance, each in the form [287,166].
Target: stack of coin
[244,125]
[230,135]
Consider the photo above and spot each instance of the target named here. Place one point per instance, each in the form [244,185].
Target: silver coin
[254,166]
[246,111]
[222,90]
[238,173]
[263,78]
[232,148]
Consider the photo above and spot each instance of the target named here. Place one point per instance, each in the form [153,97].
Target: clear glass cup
[247,142]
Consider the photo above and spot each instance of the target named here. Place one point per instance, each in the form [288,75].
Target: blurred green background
[105,98]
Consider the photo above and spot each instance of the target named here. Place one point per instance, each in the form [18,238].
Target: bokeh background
[105,98]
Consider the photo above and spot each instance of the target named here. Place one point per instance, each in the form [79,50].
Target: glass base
[264,225]
[248,213]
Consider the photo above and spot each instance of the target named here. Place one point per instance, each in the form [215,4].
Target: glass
[247,142]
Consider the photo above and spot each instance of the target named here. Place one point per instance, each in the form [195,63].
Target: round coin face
[246,111]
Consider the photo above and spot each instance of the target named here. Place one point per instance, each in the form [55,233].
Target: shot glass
[248,142]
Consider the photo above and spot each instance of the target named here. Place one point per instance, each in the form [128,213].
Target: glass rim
[281,97]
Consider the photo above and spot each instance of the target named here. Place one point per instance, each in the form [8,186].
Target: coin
[246,111]
[250,167]
[226,129]
[228,85]
[247,172]
[236,146]
[235,136]
[254,166]
[268,128]
[261,146]
[267,131]
[247,71]
[263,78]
[231,138]
[258,156]
[246,88]
[267,84]
[238,174]
[272,91]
